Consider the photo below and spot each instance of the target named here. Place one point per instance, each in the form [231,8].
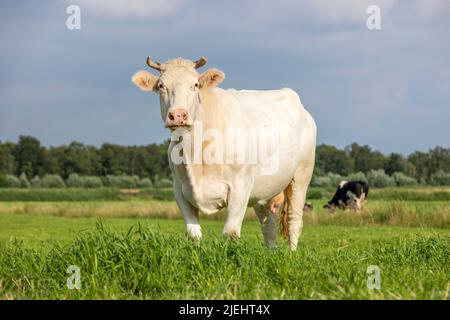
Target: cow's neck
[210,117]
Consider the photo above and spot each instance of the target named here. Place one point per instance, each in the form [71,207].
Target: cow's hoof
[271,246]
[231,234]
[194,232]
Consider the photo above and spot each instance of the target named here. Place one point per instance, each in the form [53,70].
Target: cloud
[120,9]
[343,11]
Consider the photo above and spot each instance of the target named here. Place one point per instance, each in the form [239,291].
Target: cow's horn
[200,62]
[153,64]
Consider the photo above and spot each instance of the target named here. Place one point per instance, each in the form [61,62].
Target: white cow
[187,99]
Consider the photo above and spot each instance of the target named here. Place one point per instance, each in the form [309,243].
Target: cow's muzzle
[178,118]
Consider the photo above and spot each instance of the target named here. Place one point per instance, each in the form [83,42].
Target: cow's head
[356,203]
[360,202]
[179,86]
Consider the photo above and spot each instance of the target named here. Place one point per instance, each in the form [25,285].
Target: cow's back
[281,111]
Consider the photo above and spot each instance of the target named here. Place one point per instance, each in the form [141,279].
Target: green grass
[395,213]
[123,258]
[138,249]
[389,194]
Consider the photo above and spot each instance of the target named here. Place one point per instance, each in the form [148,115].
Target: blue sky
[388,88]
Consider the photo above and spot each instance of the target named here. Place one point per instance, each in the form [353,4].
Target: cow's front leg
[189,212]
[238,197]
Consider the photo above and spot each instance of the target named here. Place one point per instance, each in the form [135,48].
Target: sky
[388,88]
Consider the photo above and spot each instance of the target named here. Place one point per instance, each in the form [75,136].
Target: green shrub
[92,182]
[63,194]
[335,179]
[318,193]
[53,181]
[357,176]
[145,183]
[440,178]
[36,182]
[163,183]
[330,180]
[24,183]
[320,182]
[379,179]
[74,181]
[123,181]
[402,180]
[12,181]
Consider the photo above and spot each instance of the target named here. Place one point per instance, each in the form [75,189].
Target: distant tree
[78,158]
[394,163]
[125,163]
[410,169]
[331,159]
[420,162]
[29,156]
[439,160]
[364,158]
[110,159]
[3,182]
[54,160]
[7,162]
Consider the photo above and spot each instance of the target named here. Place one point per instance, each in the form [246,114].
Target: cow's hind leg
[267,220]
[296,197]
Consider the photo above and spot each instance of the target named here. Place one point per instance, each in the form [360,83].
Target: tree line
[355,158]
[29,158]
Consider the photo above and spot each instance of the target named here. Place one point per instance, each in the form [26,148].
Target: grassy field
[132,245]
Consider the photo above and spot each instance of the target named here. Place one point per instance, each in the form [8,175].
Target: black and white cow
[351,194]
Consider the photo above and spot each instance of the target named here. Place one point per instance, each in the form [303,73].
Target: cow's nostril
[177,117]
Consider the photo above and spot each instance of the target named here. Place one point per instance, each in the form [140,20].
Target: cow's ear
[145,81]
[211,78]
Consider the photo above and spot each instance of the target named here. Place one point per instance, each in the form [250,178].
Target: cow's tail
[284,215]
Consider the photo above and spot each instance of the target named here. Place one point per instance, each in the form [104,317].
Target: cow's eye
[196,85]
[161,86]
